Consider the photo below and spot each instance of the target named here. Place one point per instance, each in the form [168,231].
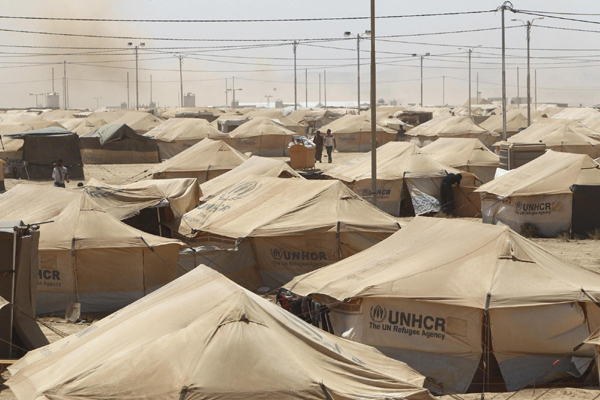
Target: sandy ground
[585,253]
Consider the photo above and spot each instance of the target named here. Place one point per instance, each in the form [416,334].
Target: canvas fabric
[447,268]
[228,346]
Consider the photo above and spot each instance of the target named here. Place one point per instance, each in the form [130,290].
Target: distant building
[189,100]
[123,105]
[235,104]
[52,100]
[278,103]
[393,103]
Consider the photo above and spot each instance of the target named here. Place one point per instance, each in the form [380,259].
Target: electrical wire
[243,20]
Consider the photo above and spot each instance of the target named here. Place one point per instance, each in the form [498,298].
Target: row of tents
[469,306]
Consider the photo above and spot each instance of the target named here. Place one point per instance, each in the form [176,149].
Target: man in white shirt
[329,144]
[60,174]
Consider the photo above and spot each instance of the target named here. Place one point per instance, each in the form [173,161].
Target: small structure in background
[189,100]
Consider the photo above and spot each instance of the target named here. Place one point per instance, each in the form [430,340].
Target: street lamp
[137,91]
[36,97]
[528,25]
[422,56]
[268,96]
[233,90]
[470,51]
[97,101]
[358,38]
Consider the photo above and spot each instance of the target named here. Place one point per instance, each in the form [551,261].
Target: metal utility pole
[137,80]
[518,95]
[97,102]
[358,38]
[535,72]
[295,79]
[443,90]
[470,51]
[528,25]
[52,79]
[319,90]
[306,85]
[478,87]
[373,109]
[233,90]
[128,102]
[181,76]
[65,84]
[227,90]
[503,7]
[325,87]
[151,89]
[422,56]
[421,81]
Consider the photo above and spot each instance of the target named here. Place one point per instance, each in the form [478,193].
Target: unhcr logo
[380,192]
[378,314]
[239,191]
[100,191]
[538,208]
[279,254]
[276,254]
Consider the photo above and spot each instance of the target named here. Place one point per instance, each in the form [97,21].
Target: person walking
[447,194]
[60,174]
[330,144]
[318,140]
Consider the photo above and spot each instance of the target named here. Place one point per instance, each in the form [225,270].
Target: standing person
[318,139]
[60,174]
[330,144]
[447,195]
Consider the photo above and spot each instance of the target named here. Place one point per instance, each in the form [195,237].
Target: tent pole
[159,224]
[12,291]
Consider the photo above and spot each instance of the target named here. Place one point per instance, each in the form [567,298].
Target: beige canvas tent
[293,225]
[231,344]
[124,201]
[515,122]
[276,115]
[353,133]
[560,135]
[227,122]
[40,203]
[450,126]
[98,261]
[204,161]
[19,331]
[577,114]
[139,121]
[407,180]
[256,166]
[464,303]
[262,136]
[469,155]
[81,126]
[11,151]
[539,193]
[34,203]
[208,114]
[117,144]
[177,134]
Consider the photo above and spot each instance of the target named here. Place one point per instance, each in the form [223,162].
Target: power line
[566,29]
[241,20]
[287,41]
[548,15]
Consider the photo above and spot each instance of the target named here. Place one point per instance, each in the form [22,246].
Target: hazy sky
[563,75]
